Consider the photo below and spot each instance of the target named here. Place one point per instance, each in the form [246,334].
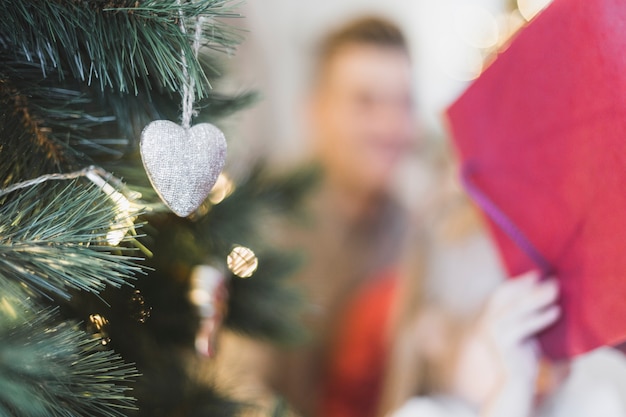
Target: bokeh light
[530,8]
[223,187]
[457,60]
[99,324]
[509,23]
[140,310]
[242,262]
[476,26]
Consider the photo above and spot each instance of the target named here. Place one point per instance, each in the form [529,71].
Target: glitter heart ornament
[182,164]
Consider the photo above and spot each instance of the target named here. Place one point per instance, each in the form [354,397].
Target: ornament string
[96,175]
[45,178]
[125,200]
[188,87]
[184,162]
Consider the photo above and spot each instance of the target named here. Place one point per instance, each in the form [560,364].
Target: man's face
[362,115]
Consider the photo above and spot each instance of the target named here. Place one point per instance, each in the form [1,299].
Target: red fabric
[358,361]
[545,129]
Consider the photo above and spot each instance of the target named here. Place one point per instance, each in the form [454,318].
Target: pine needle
[55,369]
[117,44]
[53,238]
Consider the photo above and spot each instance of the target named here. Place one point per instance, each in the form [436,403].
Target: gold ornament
[140,310]
[99,325]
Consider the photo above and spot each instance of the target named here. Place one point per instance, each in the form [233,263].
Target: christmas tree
[96,273]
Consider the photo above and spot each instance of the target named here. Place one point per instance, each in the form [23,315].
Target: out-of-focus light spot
[210,295]
[98,321]
[7,307]
[206,290]
[140,310]
[242,262]
[509,24]
[223,187]
[476,26]
[99,326]
[457,60]
[115,237]
[199,296]
[530,8]
[124,219]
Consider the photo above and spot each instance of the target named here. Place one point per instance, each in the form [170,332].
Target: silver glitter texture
[182,164]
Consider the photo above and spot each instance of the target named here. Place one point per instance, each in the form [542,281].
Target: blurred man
[362,123]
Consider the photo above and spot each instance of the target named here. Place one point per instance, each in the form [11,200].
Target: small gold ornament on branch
[99,327]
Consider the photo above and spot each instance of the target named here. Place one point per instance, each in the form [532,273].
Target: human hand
[498,362]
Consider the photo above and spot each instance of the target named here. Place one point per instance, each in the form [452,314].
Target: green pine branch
[116,44]
[264,305]
[54,239]
[47,128]
[27,148]
[50,126]
[55,369]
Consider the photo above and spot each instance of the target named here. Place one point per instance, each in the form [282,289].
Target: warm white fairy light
[223,187]
[458,60]
[476,26]
[124,209]
[242,262]
[7,307]
[530,8]
[99,324]
[509,23]
[461,52]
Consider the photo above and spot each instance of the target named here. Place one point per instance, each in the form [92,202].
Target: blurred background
[452,41]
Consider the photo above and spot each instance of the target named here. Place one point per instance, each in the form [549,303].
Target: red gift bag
[542,141]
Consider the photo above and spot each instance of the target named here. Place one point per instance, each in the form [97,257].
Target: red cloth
[358,361]
[545,130]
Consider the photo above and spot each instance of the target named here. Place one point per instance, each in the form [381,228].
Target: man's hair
[374,31]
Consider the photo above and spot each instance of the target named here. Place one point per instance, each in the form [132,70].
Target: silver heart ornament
[182,164]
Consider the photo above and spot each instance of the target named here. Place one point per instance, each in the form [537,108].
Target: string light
[530,8]
[510,23]
[7,307]
[459,61]
[125,210]
[242,262]
[478,36]
[223,187]
[476,26]
[99,324]
[140,310]
[462,51]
